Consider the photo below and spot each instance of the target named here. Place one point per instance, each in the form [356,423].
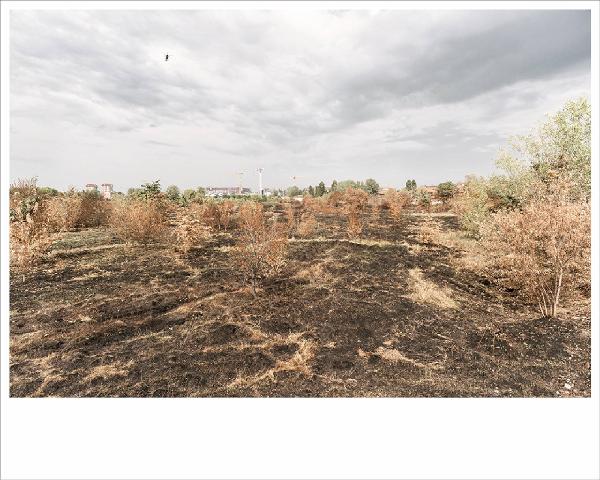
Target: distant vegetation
[532,218]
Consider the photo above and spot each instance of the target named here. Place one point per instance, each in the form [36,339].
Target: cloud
[286,90]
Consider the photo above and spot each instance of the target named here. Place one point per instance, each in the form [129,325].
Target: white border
[295,438]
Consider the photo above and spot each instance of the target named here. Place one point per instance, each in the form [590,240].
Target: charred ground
[100,318]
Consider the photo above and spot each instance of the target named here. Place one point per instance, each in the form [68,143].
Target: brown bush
[261,249]
[75,210]
[218,215]
[94,211]
[307,225]
[293,212]
[189,231]
[355,201]
[542,251]
[396,202]
[63,212]
[334,199]
[139,220]
[29,233]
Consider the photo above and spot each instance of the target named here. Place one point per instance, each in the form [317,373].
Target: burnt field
[398,312]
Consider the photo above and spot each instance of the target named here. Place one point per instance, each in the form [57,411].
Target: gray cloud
[319,94]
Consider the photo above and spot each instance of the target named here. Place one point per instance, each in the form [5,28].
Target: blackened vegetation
[99,318]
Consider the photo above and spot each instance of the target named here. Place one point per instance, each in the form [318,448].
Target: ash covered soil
[99,318]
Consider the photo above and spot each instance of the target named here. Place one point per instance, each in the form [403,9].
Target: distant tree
[150,190]
[424,198]
[446,190]
[201,191]
[132,192]
[371,186]
[320,190]
[334,186]
[311,191]
[411,185]
[293,191]
[173,193]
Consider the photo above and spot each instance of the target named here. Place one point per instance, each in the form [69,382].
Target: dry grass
[299,362]
[106,372]
[427,292]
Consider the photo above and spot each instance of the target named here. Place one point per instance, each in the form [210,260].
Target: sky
[311,94]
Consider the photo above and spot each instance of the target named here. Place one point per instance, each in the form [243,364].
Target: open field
[397,312]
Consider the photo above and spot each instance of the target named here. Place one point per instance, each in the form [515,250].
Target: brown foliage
[542,251]
[307,225]
[139,220]
[261,249]
[189,230]
[355,201]
[218,215]
[395,202]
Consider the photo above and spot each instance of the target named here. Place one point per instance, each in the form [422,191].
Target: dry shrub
[63,212]
[139,220]
[293,213]
[334,199]
[30,233]
[226,212]
[319,205]
[395,202]
[189,230]
[75,210]
[94,210]
[218,215]
[428,231]
[261,249]
[355,201]
[542,251]
[307,225]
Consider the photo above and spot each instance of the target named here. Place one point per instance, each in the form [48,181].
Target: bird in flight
[167,57]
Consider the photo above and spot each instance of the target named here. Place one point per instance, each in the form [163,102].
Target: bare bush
[542,251]
[355,201]
[261,249]
[189,230]
[139,221]
[396,203]
[307,225]
[218,215]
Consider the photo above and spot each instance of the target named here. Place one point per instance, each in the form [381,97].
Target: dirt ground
[391,314]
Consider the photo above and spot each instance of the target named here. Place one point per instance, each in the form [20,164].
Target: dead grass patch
[426,291]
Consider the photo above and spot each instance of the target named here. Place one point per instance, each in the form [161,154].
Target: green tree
[411,185]
[150,190]
[201,192]
[560,149]
[446,190]
[293,191]
[172,192]
[334,186]
[311,191]
[320,189]
[371,186]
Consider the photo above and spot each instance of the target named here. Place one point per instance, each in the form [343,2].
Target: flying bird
[167,57]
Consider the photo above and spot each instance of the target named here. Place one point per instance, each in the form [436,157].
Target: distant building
[91,187]
[107,189]
[222,191]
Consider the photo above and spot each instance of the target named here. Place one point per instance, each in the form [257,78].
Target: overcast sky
[429,95]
